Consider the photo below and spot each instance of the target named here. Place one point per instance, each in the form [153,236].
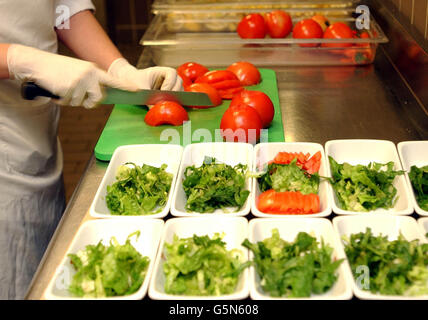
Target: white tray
[231,153]
[387,225]
[91,232]
[235,229]
[361,151]
[150,154]
[261,228]
[265,152]
[413,153]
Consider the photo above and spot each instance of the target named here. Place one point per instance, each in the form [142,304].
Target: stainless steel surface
[318,104]
[150,97]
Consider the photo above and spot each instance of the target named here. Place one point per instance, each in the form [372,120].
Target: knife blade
[30,91]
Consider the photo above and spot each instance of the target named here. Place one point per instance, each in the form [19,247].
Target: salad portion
[397,267]
[364,188]
[139,190]
[108,270]
[290,184]
[215,185]
[419,179]
[294,269]
[202,266]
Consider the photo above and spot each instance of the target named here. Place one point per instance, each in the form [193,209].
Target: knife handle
[158,82]
[30,91]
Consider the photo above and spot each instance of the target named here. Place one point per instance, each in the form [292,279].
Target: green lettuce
[296,269]
[201,266]
[419,179]
[107,271]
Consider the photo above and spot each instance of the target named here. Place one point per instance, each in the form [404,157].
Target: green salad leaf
[295,269]
[215,186]
[201,266]
[288,177]
[364,188]
[139,190]
[397,267]
[419,179]
[107,271]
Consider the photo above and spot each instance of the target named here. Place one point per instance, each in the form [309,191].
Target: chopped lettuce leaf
[419,179]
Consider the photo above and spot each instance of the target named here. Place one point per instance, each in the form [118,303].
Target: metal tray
[212,40]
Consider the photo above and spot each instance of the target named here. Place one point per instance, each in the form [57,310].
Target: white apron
[31,186]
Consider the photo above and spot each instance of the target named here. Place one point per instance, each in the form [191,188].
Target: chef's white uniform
[31,188]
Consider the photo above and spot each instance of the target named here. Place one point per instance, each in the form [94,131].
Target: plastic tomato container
[210,38]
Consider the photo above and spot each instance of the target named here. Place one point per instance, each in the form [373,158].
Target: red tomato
[209,90]
[252,26]
[186,81]
[241,123]
[259,101]
[246,72]
[191,70]
[278,23]
[166,112]
[338,30]
[288,202]
[225,81]
[307,29]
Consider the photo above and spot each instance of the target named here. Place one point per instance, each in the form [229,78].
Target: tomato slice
[209,90]
[289,202]
[246,72]
[166,112]
[228,94]
[226,84]
[216,76]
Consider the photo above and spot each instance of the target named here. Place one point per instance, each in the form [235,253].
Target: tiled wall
[416,12]
[128,19]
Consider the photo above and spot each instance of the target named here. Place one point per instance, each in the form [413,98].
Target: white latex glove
[77,82]
[145,78]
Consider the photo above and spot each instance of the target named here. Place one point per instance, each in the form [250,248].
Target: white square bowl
[261,229]
[150,154]
[265,152]
[413,153]
[355,151]
[423,223]
[90,233]
[235,232]
[231,153]
[387,225]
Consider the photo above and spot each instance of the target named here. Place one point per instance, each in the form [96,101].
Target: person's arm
[88,40]
[4,69]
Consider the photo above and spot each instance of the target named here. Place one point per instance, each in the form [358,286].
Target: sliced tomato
[304,160]
[186,81]
[313,164]
[226,84]
[166,112]
[228,94]
[209,90]
[289,202]
[192,70]
[246,72]
[216,76]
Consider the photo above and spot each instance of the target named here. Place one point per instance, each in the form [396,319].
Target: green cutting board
[126,124]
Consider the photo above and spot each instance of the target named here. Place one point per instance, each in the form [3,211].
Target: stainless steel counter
[317,104]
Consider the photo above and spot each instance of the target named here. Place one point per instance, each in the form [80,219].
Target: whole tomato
[241,123]
[307,29]
[166,112]
[246,72]
[338,30]
[209,90]
[322,21]
[252,26]
[191,70]
[259,101]
[278,23]
[225,81]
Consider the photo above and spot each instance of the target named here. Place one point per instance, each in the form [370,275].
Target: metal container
[175,38]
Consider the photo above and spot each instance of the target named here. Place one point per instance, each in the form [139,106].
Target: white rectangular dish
[235,231]
[413,153]
[261,228]
[90,233]
[150,154]
[364,151]
[423,223]
[387,225]
[265,152]
[231,153]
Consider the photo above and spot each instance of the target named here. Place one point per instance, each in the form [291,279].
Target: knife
[30,91]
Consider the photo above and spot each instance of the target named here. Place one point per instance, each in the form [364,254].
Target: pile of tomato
[249,111]
[279,24]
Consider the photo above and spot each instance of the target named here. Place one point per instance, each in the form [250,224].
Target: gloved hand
[145,78]
[77,82]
